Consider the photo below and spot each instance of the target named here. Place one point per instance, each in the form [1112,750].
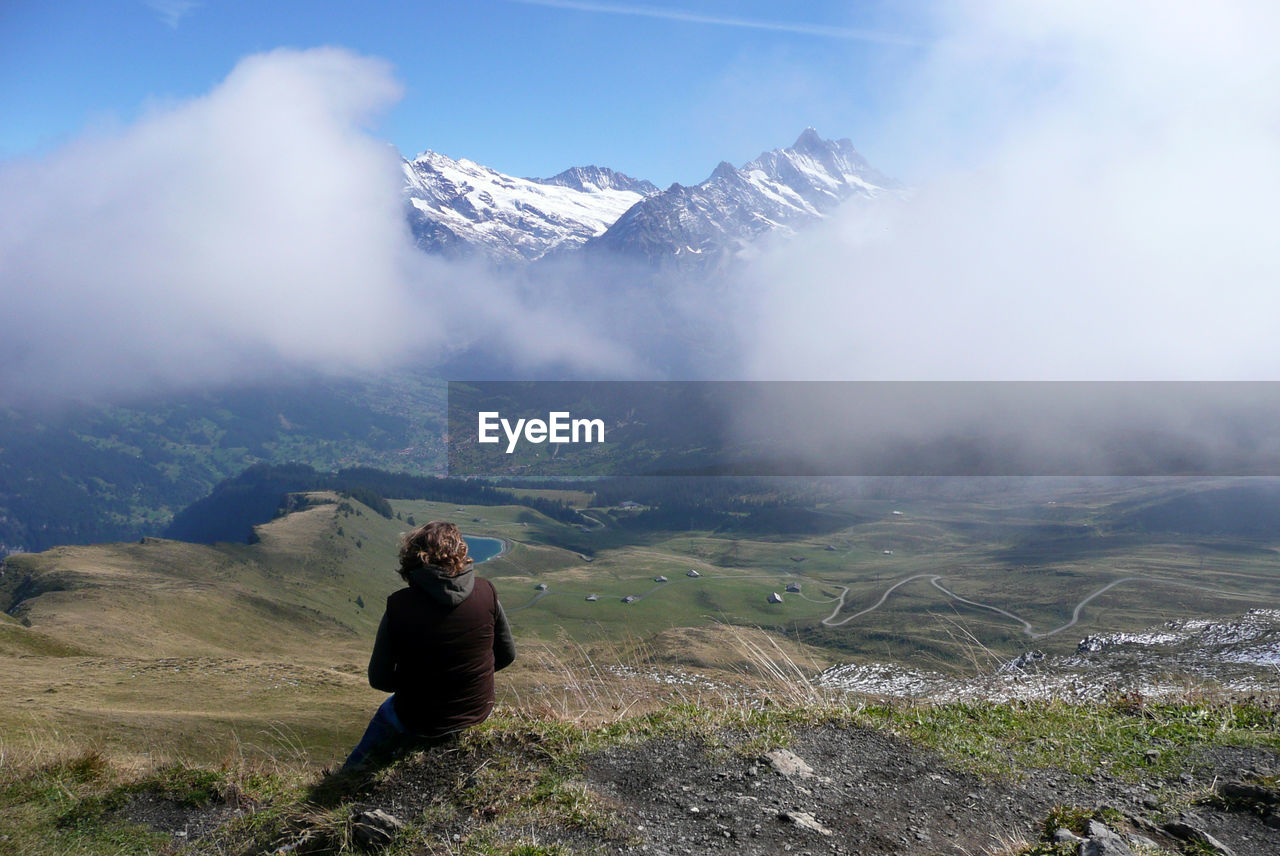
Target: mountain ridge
[593,178]
[782,190]
[459,208]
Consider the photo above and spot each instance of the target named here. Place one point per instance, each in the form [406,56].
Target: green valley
[162,648]
[78,473]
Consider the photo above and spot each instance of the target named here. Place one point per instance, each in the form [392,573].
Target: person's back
[441,639]
[455,618]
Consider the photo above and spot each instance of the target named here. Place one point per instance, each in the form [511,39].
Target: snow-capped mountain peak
[725,170]
[823,172]
[459,207]
[809,141]
[779,191]
[594,179]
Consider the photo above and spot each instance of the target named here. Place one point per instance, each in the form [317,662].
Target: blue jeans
[384,728]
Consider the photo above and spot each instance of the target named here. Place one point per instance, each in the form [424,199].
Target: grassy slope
[107,472]
[174,649]
[163,649]
[161,646]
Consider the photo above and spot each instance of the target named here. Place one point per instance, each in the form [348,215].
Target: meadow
[161,649]
[923,583]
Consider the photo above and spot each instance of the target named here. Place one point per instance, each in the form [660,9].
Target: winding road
[1027,628]
[835,619]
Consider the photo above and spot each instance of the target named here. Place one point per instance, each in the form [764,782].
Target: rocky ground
[1239,656]
[834,789]
[854,790]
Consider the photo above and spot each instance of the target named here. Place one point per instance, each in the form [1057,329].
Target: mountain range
[89,473]
[459,208]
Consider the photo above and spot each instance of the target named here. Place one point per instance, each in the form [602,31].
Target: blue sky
[1093,186]
[662,90]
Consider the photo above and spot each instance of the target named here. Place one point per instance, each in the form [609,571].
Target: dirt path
[834,619]
[1027,627]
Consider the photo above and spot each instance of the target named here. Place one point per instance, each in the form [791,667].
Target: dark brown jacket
[439,643]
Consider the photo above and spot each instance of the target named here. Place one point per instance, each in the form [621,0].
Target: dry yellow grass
[167,644]
[161,649]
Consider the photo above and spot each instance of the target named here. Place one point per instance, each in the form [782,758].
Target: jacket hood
[435,582]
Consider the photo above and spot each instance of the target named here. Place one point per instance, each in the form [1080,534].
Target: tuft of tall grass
[609,681]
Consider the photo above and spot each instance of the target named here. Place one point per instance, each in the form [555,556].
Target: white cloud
[254,229]
[172,11]
[684,16]
[1115,223]
[1114,220]
[254,224]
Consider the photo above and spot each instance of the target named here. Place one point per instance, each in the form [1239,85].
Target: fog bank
[1098,189]
[255,230]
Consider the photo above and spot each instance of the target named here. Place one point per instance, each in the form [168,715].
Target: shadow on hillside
[340,786]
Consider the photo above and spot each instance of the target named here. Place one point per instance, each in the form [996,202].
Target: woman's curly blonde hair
[436,543]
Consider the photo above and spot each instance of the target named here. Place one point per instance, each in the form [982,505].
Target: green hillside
[161,646]
[167,646]
[82,473]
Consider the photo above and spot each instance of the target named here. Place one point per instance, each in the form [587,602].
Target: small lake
[482,549]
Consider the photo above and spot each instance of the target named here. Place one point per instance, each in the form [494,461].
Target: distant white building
[692,573]
[775,598]
[629,599]
[542,586]
[888,552]
[593,597]
[659,579]
[793,587]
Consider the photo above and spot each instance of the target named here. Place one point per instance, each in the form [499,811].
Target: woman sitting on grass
[440,641]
